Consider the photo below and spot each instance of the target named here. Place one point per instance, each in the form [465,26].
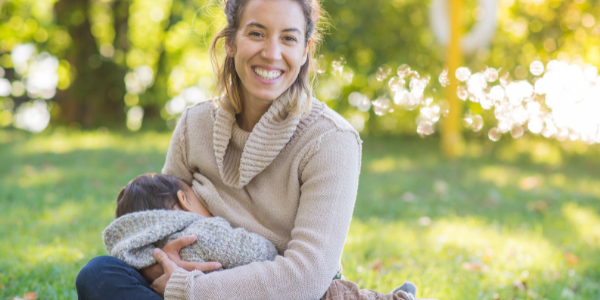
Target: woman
[286,167]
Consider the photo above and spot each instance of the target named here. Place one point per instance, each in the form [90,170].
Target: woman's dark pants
[107,277]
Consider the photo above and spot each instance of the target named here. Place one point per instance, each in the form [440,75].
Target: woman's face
[269,48]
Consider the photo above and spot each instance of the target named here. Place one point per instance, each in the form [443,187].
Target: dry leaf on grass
[541,206]
[475,266]
[27,296]
[529,183]
[376,265]
[571,258]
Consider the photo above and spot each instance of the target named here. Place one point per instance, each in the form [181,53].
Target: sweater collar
[269,136]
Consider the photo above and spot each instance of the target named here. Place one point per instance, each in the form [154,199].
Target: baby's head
[158,191]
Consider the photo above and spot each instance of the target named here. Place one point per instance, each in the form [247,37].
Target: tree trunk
[87,100]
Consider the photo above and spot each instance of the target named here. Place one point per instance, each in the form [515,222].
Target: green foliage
[519,219]
[99,42]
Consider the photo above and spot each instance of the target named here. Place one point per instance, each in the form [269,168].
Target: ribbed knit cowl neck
[242,155]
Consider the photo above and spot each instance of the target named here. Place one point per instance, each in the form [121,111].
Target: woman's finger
[173,247]
[201,266]
[163,259]
[152,272]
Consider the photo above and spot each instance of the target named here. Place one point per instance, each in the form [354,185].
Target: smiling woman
[283,166]
[270,50]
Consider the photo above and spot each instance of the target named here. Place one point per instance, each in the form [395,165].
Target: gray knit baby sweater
[132,238]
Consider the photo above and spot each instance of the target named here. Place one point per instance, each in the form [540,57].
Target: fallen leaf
[571,258]
[541,206]
[30,296]
[376,265]
[474,266]
[529,183]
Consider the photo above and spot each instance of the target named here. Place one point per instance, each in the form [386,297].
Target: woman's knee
[97,266]
[107,277]
[95,273]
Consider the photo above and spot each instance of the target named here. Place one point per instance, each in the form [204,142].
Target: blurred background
[481,121]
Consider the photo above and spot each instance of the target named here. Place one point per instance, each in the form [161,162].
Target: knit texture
[348,290]
[292,180]
[132,238]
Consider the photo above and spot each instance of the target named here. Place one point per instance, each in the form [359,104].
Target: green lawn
[511,220]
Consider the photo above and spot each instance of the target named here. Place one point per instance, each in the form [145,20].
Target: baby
[154,209]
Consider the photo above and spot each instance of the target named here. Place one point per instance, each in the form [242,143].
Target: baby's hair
[149,192]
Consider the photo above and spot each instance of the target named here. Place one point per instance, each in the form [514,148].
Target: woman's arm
[328,192]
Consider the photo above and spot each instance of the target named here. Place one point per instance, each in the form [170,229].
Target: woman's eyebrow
[292,29]
[255,24]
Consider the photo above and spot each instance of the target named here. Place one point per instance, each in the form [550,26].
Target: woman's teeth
[268,75]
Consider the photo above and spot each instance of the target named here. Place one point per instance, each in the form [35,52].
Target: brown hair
[148,192]
[228,85]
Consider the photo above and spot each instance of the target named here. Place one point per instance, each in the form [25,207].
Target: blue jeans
[107,277]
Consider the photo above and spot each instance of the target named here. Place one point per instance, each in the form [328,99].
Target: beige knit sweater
[292,180]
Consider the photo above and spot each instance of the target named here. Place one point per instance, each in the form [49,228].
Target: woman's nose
[272,50]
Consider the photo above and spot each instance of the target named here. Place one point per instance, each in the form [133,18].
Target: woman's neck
[252,110]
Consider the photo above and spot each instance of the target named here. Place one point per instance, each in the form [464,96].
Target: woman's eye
[290,39]
[255,33]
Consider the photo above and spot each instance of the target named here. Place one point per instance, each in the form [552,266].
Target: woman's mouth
[266,74]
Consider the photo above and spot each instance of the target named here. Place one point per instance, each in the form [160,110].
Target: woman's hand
[168,266]
[152,272]
[171,249]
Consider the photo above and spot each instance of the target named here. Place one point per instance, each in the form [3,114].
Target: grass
[512,220]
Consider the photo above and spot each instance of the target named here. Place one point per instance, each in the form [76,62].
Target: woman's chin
[267,97]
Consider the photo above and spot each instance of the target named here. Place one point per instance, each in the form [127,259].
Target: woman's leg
[107,277]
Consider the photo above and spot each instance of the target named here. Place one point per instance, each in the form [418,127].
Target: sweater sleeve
[329,182]
[176,162]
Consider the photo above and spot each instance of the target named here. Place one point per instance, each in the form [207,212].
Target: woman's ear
[305,55]
[229,49]
[183,203]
